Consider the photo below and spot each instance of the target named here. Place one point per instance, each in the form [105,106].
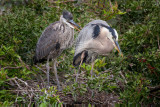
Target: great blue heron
[96,38]
[54,39]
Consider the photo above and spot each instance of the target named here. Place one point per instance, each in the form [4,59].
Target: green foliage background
[137,23]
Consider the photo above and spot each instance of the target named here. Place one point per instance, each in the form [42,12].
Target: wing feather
[84,36]
[48,40]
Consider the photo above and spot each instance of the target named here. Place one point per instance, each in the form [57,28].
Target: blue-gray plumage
[55,38]
[96,38]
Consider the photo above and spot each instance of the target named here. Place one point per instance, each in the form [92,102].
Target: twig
[110,5]
[11,82]
[123,77]
[8,67]
[154,96]
[29,105]
[42,81]
[25,90]
[22,81]
[2,58]
[17,97]
[157,2]
[40,69]
[27,66]
[17,83]
[158,42]
[154,89]
[62,1]
[58,100]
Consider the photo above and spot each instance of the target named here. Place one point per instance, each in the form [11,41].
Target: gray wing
[49,40]
[85,35]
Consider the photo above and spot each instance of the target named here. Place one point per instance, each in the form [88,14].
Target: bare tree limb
[61,1]
[154,89]
[41,69]
[29,105]
[110,5]
[157,2]
[158,42]
[58,100]
[25,90]
[123,77]
[8,67]
[27,66]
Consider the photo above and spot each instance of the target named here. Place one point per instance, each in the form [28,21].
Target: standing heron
[96,38]
[55,38]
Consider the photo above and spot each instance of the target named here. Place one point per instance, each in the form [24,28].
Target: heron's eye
[113,38]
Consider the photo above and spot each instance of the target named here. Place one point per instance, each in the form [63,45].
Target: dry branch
[41,69]
[158,42]
[123,77]
[8,67]
[25,65]
[61,1]
[110,5]
[154,89]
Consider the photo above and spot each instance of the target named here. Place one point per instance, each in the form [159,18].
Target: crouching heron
[96,38]
[54,39]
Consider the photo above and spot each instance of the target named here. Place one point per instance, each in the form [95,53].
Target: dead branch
[17,97]
[155,96]
[40,69]
[22,81]
[158,42]
[24,90]
[10,81]
[123,77]
[30,102]
[157,2]
[110,5]
[25,65]
[58,100]
[61,1]
[8,67]
[154,89]
[17,83]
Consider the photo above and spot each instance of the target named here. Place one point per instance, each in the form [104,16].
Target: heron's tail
[35,61]
[77,58]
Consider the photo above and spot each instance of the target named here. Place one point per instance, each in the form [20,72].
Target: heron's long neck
[63,21]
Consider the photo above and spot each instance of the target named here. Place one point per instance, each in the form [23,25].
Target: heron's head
[113,36]
[67,18]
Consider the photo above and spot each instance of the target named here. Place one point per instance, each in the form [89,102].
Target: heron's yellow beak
[76,26]
[118,48]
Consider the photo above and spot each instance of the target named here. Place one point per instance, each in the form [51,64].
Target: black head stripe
[96,31]
[110,30]
[67,15]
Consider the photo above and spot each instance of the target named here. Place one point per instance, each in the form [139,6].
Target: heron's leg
[82,57]
[55,73]
[47,66]
[92,69]
[92,66]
